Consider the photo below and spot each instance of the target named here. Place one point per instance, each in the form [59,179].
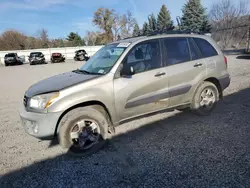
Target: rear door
[147,90]
[185,68]
[214,60]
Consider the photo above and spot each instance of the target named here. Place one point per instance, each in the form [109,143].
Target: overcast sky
[60,17]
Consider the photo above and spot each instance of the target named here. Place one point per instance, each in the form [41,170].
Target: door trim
[157,96]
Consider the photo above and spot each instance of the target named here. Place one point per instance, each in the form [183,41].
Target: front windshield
[35,54]
[10,55]
[104,59]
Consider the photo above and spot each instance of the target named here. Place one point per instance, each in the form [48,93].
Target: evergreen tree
[75,39]
[136,31]
[194,17]
[152,23]
[145,29]
[164,19]
[206,26]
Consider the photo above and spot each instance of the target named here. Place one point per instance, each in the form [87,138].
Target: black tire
[69,121]
[6,64]
[195,105]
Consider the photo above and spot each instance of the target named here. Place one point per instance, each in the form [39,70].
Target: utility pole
[248,43]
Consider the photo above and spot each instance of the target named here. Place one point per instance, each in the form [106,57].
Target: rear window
[207,50]
[56,54]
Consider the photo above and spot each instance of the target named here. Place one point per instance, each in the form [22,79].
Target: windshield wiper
[81,71]
[87,72]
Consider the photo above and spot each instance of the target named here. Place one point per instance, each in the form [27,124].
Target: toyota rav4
[123,80]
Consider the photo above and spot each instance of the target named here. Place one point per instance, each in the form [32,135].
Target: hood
[58,82]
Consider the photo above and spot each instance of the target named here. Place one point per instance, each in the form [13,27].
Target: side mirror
[127,71]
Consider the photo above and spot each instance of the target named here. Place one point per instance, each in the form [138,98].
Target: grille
[25,101]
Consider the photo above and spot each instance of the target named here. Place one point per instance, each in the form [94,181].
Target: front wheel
[205,99]
[83,131]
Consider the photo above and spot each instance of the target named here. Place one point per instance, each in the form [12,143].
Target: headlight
[41,102]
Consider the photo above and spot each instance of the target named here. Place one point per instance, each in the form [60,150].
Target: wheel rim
[207,98]
[85,134]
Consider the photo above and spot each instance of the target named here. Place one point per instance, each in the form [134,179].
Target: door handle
[197,64]
[160,74]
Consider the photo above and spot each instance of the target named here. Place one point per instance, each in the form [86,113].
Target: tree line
[113,26]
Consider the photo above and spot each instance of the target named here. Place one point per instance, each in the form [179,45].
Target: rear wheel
[83,131]
[205,99]
[6,64]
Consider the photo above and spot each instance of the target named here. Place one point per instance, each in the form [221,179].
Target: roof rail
[168,31]
[171,31]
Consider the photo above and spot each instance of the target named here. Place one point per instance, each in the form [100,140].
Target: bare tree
[114,24]
[104,19]
[118,23]
[94,38]
[12,40]
[226,17]
[129,22]
[43,36]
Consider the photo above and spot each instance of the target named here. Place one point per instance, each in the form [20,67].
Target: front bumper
[39,125]
[10,62]
[37,60]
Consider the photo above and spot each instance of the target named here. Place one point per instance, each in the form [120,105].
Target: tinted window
[144,56]
[177,50]
[207,50]
[10,55]
[195,54]
[35,54]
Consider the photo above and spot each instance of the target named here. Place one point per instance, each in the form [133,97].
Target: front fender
[91,95]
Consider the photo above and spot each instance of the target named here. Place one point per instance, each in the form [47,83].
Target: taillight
[225,60]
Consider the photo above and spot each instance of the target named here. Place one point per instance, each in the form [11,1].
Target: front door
[147,90]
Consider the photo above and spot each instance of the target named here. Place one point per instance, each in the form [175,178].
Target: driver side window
[144,56]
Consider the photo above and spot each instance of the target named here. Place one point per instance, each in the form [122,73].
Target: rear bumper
[57,59]
[224,81]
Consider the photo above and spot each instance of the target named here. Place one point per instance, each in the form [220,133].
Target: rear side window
[177,50]
[207,50]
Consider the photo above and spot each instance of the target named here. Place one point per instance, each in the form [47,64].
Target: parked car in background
[57,57]
[36,58]
[81,55]
[12,59]
[126,79]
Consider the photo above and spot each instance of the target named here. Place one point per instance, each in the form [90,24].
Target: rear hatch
[56,56]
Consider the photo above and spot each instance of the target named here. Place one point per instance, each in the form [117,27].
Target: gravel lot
[165,150]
